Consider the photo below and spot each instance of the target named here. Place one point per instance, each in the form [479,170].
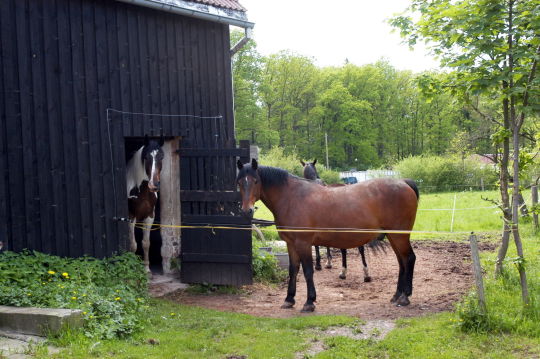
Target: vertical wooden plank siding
[73,209]
[63,63]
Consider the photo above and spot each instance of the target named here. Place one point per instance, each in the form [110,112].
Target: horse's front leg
[294,266]
[343,274]
[146,243]
[132,241]
[304,252]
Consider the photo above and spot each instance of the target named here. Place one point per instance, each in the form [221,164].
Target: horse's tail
[378,244]
[413,185]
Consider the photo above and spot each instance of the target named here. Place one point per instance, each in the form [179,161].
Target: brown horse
[303,210]
[310,173]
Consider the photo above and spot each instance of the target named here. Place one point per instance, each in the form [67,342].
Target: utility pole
[326,145]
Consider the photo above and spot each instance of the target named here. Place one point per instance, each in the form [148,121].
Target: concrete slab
[161,285]
[38,321]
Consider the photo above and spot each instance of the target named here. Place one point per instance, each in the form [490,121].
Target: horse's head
[249,182]
[310,172]
[152,158]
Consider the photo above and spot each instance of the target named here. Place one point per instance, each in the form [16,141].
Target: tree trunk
[503,188]
[515,220]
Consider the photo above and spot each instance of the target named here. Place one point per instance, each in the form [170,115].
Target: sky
[331,31]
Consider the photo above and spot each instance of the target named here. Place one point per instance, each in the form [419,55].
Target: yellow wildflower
[51,272]
[117,298]
[65,275]
[84,313]
[74,298]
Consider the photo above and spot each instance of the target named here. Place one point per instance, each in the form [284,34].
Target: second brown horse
[308,214]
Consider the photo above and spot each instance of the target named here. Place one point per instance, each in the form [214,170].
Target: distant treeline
[374,115]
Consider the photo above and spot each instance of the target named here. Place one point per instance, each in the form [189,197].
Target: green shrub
[439,173]
[265,266]
[112,293]
[276,157]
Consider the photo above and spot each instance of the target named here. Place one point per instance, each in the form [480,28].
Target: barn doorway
[132,145]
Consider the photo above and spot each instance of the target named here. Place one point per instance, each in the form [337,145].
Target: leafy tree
[493,47]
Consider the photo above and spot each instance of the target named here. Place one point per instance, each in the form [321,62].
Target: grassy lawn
[508,331]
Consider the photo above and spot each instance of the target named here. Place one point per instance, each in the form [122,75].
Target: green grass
[433,337]
[191,332]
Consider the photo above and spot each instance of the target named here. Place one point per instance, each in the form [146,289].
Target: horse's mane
[273,176]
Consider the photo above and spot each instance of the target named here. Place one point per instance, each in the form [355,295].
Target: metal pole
[478,273]
[453,213]
[326,146]
[534,194]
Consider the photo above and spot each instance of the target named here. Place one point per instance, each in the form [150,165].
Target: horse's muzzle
[248,213]
[153,187]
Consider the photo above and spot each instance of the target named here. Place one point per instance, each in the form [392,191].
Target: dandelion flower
[65,275]
[74,298]
[117,298]
[51,272]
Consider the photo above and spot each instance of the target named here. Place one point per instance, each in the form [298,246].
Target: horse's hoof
[367,279]
[395,298]
[287,305]
[342,276]
[402,301]
[318,267]
[308,308]
[328,266]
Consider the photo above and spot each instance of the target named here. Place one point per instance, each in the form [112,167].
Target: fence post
[453,213]
[534,194]
[477,273]
[482,184]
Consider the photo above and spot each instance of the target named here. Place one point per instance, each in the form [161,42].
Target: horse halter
[248,181]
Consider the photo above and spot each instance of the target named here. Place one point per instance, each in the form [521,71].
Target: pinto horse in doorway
[383,205]
[310,173]
[143,172]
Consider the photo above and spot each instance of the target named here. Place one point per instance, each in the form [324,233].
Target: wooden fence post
[534,194]
[170,205]
[478,273]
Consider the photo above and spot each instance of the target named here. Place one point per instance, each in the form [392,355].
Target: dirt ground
[443,273]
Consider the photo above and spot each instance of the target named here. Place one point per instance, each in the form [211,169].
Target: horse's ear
[146,140]
[240,164]
[254,164]
[314,162]
[303,163]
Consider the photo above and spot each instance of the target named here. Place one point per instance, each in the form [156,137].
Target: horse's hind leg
[361,250]
[317,258]
[294,267]
[328,258]
[343,273]
[406,258]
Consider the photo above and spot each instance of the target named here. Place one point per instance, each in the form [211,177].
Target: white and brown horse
[143,173]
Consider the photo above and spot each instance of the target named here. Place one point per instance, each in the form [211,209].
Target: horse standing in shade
[142,178]
[310,173]
[383,205]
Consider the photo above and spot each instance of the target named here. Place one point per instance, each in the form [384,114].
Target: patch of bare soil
[443,273]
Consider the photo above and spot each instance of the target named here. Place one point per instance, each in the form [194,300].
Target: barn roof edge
[226,15]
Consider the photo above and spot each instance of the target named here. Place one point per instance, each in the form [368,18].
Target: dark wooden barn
[81,81]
